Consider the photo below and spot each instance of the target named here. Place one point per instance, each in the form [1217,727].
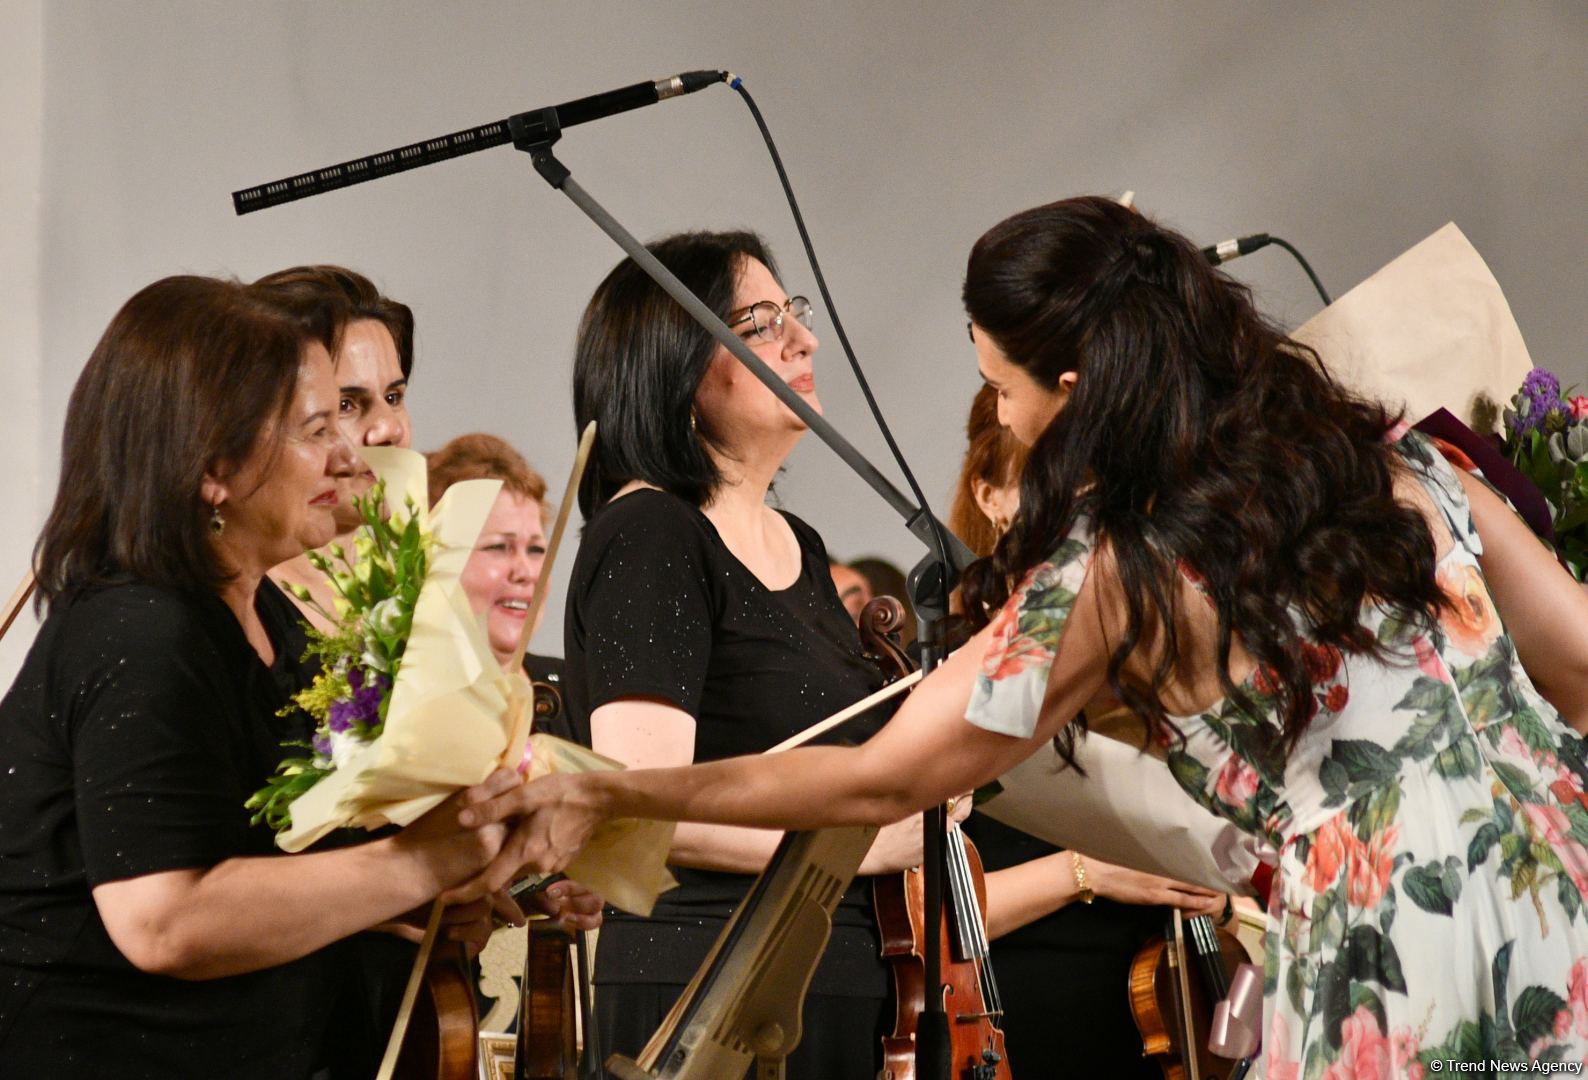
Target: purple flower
[322,745]
[363,707]
[1538,404]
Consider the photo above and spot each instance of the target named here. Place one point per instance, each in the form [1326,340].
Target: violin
[548,1041]
[443,1037]
[970,992]
[1175,982]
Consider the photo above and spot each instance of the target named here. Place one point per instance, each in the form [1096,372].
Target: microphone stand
[930,581]
[535,133]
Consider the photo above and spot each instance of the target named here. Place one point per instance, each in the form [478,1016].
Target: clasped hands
[471,864]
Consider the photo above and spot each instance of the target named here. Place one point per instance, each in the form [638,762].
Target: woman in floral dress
[1348,648]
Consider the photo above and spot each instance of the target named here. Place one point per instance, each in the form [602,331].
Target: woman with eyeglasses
[702,623]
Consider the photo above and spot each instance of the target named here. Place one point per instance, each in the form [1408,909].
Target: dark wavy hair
[190,378]
[638,360]
[1197,437]
[312,286]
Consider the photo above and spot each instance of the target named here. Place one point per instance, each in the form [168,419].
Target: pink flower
[1371,864]
[1237,782]
[1578,407]
[1562,1023]
[1428,661]
[1406,1045]
[1550,822]
[1010,652]
[1577,996]
[1414,1070]
[1365,1053]
[1512,746]
[1331,847]
[1280,1065]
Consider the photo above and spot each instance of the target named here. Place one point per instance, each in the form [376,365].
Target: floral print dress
[1432,826]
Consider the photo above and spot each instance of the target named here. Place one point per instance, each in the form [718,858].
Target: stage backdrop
[1351,130]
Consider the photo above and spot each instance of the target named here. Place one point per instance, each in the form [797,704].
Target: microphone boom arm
[919,521]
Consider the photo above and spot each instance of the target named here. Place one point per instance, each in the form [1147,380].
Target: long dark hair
[1199,437]
[639,359]
[186,380]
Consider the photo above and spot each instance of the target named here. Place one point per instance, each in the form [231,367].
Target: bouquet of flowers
[1546,437]
[411,705]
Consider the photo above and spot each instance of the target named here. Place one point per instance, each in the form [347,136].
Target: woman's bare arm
[1544,610]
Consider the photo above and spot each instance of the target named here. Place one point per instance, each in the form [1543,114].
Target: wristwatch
[1082,889]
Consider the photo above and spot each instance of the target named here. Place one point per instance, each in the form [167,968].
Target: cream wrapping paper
[625,859]
[452,709]
[1430,330]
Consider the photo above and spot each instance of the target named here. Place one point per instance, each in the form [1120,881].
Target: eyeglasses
[766,318]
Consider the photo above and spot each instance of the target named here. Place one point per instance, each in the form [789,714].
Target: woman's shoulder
[136,626]
[647,526]
[153,614]
[808,537]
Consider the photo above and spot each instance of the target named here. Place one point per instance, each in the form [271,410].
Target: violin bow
[18,601]
[537,603]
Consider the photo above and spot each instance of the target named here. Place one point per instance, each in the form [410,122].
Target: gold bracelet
[1082,889]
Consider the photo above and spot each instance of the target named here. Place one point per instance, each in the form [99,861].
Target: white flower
[344,744]
[384,616]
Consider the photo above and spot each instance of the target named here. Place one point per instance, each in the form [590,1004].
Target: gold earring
[694,421]
[217,523]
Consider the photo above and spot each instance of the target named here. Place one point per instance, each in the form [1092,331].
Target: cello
[969,989]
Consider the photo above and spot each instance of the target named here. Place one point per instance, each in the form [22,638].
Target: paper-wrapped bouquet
[411,705]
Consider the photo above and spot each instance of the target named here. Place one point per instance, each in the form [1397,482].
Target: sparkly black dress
[140,722]
[659,608]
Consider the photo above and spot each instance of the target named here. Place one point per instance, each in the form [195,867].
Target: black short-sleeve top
[140,722]
[658,607]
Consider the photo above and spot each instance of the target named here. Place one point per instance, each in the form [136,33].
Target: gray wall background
[1353,130]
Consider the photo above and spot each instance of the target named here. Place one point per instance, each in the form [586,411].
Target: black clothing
[140,722]
[551,705]
[1065,977]
[658,607]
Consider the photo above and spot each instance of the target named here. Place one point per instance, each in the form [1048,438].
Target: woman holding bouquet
[146,929]
[1310,608]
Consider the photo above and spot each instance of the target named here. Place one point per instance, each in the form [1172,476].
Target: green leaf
[1453,877]
[1426,696]
[1364,761]
[1377,812]
[1534,1014]
[1425,886]
[1333,998]
[1191,774]
[1364,997]
[1570,898]
[1459,760]
[1335,781]
[1512,777]
[1501,971]
[1372,957]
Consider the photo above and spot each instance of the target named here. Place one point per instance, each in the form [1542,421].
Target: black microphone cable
[1225,250]
[843,339]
